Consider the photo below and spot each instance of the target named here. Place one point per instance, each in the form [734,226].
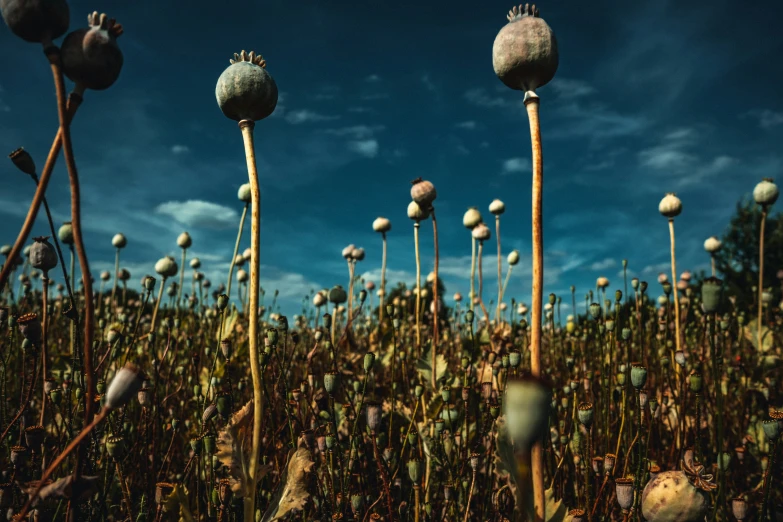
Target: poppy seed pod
[23,161]
[481,232]
[123,274]
[243,194]
[624,492]
[711,290]
[149,283]
[423,192]
[416,212]
[415,469]
[497,207]
[91,56]
[347,251]
[577,515]
[184,240]
[381,224]
[638,375]
[42,254]
[524,54]
[766,193]
[195,263]
[126,384]
[471,218]
[39,21]
[771,429]
[30,327]
[331,382]
[65,233]
[513,258]
[242,276]
[374,413]
[357,254]
[246,90]
[739,508]
[319,299]
[527,405]
[166,267]
[337,295]
[670,206]
[105,275]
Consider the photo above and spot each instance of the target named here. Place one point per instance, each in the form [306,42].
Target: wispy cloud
[467,125]
[767,118]
[603,264]
[305,116]
[180,149]
[512,165]
[568,88]
[482,98]
[367,148]
[198,213]
[373,78]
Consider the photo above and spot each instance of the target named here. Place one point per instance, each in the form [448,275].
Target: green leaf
[751,334]
[424,366]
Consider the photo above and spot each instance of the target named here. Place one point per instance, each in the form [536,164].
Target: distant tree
[738,259]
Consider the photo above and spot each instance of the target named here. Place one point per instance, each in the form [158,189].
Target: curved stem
[472,272]
[255,248]
[181,278]
[532,104]
[157,305]
[234,259]
[74,102]
[53,54]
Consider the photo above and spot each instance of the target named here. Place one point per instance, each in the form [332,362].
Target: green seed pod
[245,90]
[638,375]
[711,291]
[331,382]
[369,359]
[337,295]
[115,446]
[585,414]
[595,310]
[527,406]
[771,429]
[696,381]
[514,358]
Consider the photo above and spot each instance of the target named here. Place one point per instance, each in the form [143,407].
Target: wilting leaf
[65,488]
[751,334]
[293,491]
[234,443]
[177,502]
[228,326]
[424,366]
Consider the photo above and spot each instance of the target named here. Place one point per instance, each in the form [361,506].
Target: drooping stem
[418,286]
[537,463]
[74,102]
[760,291]
[255,247]
[435,297]
[676,293]
[234,259]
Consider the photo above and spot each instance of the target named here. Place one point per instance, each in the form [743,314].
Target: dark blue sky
[650,97]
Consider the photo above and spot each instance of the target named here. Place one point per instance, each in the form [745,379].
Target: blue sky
[650,97]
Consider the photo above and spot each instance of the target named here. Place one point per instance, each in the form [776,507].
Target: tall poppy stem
[435,296]
[418,286]
[255,246]
[760,291]
[383,284]
[537,458]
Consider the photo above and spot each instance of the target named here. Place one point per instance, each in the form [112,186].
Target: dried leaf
[228,327]
[293,491]
[234,442]
[751,334]
[177,502]
[65,488]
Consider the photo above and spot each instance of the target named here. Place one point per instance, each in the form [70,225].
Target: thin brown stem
[760,291]
[435,315]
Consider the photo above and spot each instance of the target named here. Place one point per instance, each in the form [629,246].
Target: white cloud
[604,264]
[482,98]
[467,125]
[571,88]
[372,78]
[180,149]
[356,132]
[304,116]
[512,165]
[201,214]
[375,96]
[367,148]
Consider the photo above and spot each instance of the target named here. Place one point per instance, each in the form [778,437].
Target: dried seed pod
[670,206]
[42,254]
[246,90]
[91,56]
[471,218]
[184,240]
[524,54]
[166,267]
[381,224]
[243,194]
[416,212]
[36,21]
[23,161]
[30,327]
[497,207]
[423,192]
[481,232]
[766,193]
[65,233]
[119,241]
